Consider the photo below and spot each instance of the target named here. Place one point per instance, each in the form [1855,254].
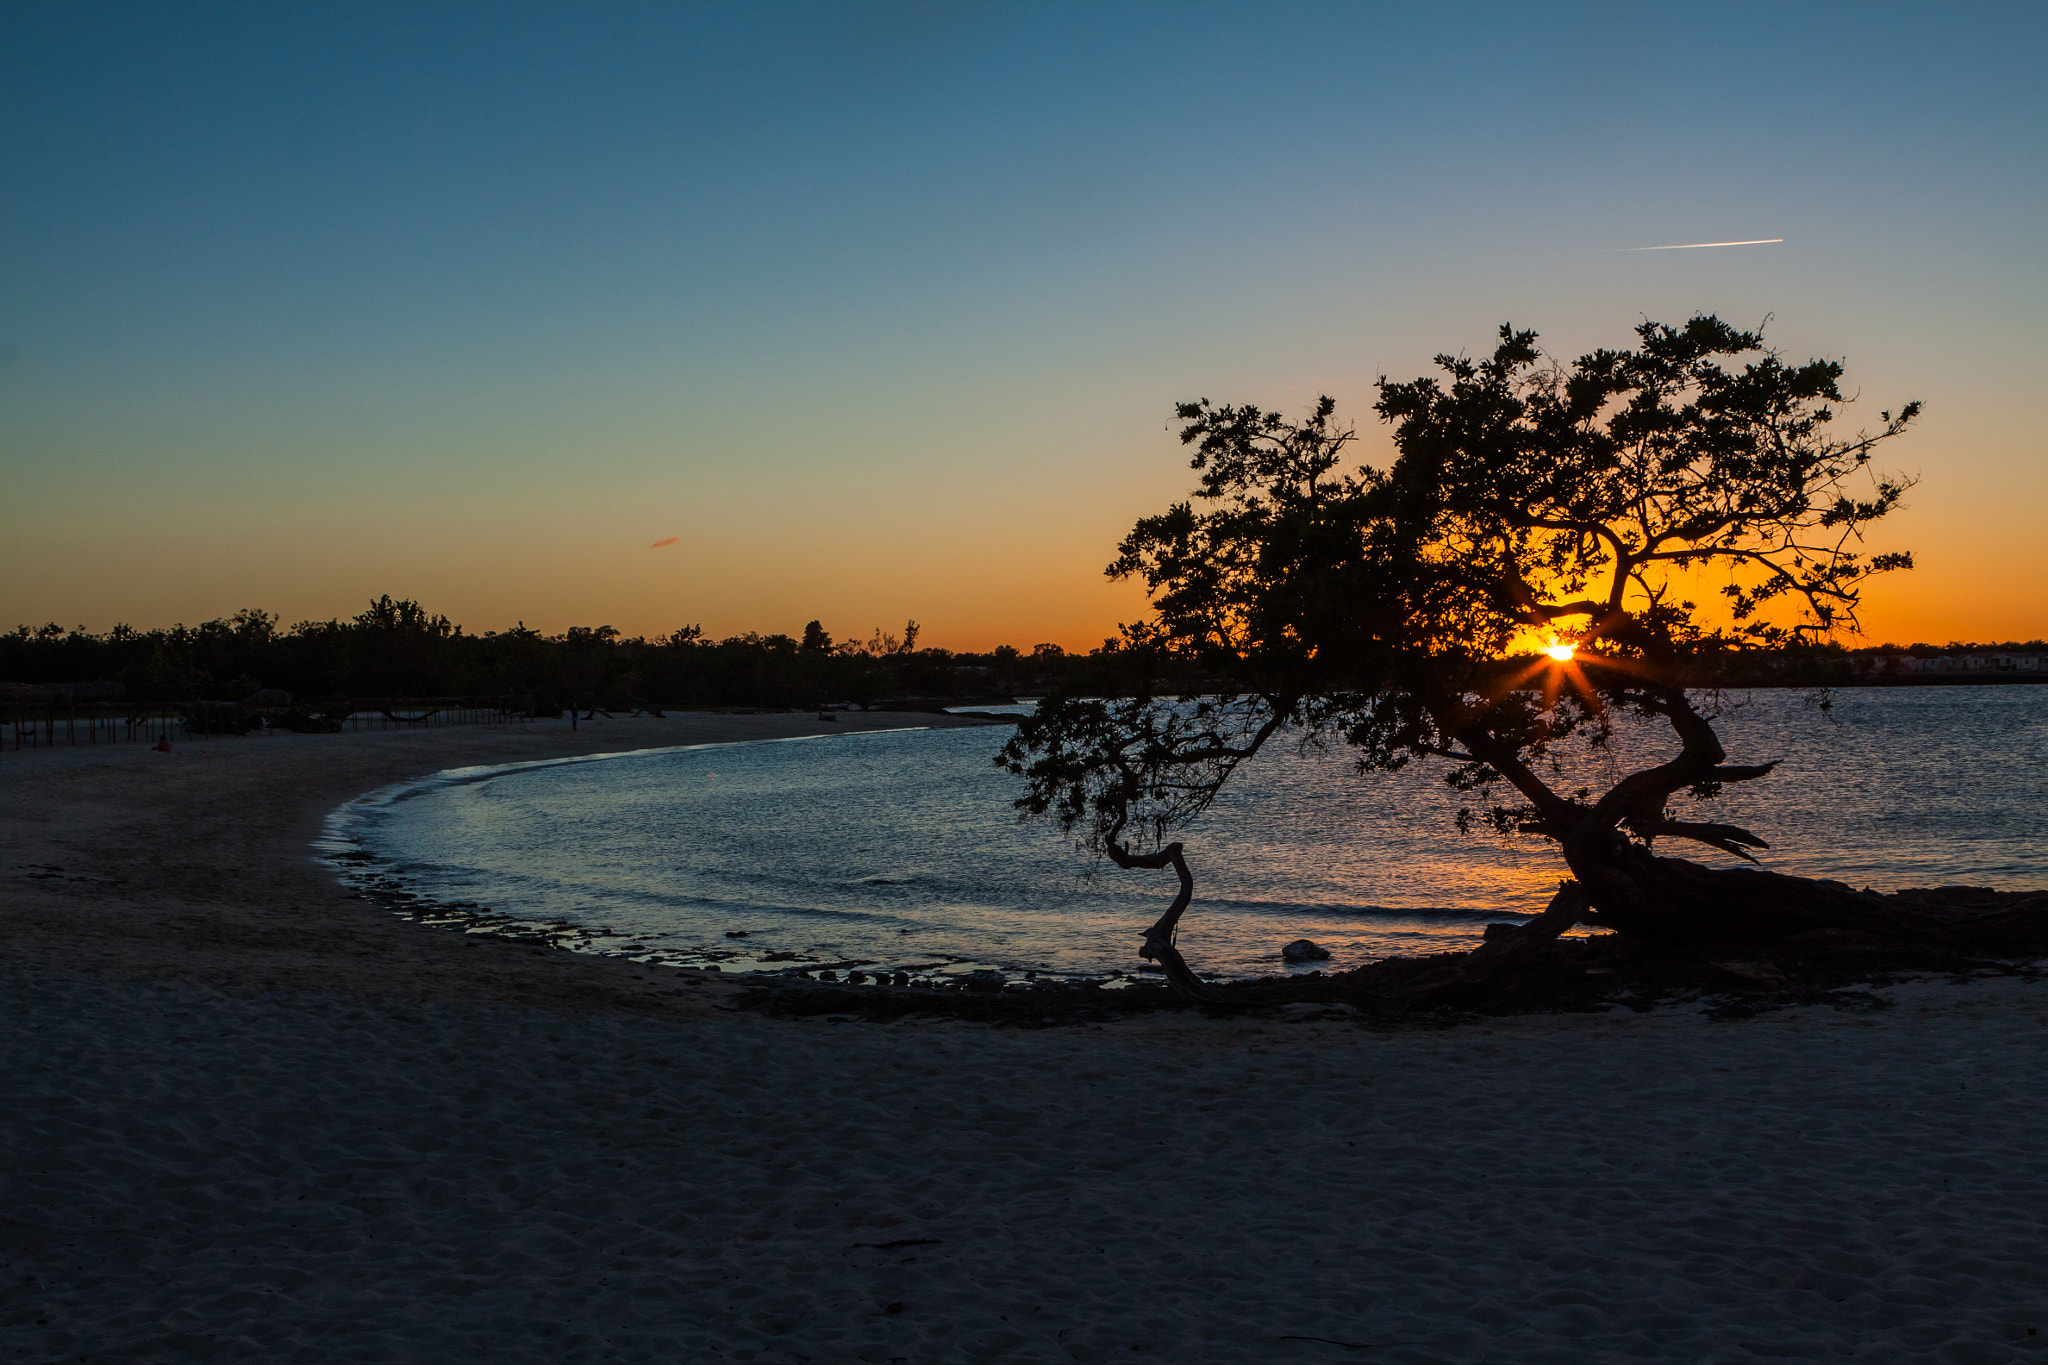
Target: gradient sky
[880,310]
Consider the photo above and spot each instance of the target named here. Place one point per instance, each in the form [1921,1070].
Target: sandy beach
[243,1116]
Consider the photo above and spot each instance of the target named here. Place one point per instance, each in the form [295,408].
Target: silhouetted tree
[398,649]
[1531,503]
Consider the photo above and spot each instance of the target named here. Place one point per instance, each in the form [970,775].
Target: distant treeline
[399,649]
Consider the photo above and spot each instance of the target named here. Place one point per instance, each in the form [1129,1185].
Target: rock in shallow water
[1304,950]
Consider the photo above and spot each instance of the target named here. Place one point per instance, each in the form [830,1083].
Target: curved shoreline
[363,876]
[198,864]
[361,838]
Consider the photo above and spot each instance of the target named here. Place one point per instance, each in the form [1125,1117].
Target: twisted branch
[1158,945]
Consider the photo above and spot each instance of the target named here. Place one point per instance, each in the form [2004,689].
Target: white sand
[315,1132]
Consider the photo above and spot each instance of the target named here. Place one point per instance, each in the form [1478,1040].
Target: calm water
[898,851]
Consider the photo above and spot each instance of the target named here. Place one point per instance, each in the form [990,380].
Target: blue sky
[881,309]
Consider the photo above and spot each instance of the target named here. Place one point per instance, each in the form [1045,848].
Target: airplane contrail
[1694,246]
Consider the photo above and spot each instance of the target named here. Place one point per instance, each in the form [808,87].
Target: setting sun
[1559,652]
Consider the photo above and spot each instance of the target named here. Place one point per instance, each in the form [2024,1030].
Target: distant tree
[885,643]
[816,640]
[1576,508]
[399,649]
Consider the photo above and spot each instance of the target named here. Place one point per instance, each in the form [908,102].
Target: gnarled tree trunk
[1633,891]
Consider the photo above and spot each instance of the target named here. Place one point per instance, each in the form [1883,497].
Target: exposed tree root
[1672,898]
[1470,974]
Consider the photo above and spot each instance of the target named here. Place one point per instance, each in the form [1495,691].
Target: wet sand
[245,1117]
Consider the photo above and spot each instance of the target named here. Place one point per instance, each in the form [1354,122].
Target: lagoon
[897,851]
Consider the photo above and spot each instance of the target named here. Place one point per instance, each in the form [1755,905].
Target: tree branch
[1728,838]
[1158,945]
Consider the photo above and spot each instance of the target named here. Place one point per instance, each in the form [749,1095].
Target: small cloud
[659,543]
